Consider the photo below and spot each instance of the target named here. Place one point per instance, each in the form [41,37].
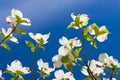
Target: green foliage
[12,79]
[42,47]
[1,33]
[6,46]
[65,59]
[29,44]
[80,59]
[20,30]
[45,76]
[40,41]
[8,72]
[20,79]
[77,52]
[69,66]
[93,43]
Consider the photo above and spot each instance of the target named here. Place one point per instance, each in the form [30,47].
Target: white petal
[69,75]
[9,31]
[4,32]
[98,71]
[84,18]
[57,61]
[25,70]
[35,36]
[59,74]
[63,40]
[73,16]
[102,57]
[0,73]
[84,70]
[10,69]
[45,37]
[40,63]
[27,23]
[13,39]
[102,38]
[91,30]
[63,50]
[15,12]
[16,65]
[11,20]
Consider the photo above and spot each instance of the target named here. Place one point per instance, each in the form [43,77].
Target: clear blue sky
[53,16]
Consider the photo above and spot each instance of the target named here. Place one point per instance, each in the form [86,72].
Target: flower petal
[16,65]
[59,74]
[27,23]
[15,12]
[63,40]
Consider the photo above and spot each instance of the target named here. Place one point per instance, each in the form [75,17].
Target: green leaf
[19,73]
[93,43]
[29,44]
[80,59]
[18,19]
[65,59]
[42,47]
[85,31]
[20,79]
[20,30]
[88,37]
[1,33]
[118,72]
[77,52]
[23,21]
[70,25]
[12,79]
[77,20]
[96,29]
[69,66]
[33,49]
[88,78]
[45,76]
[8,72]
[6,46]
[103,32]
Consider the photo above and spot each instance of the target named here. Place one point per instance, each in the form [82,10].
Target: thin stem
[84,53]
[33,63]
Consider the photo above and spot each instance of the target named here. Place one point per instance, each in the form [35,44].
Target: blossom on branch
[17,18]
[60,75]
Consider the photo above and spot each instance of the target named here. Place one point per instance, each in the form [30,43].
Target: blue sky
[53,16]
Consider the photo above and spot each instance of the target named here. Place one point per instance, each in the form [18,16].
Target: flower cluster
[68,53]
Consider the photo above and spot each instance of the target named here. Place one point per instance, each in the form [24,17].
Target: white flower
[6,33]
[102,37]
[109,61]
[83,19]
[12,20]
[57,61]
[16,65]
[94,67]
[67,45]
[60,75]
[39,36]
[44,66]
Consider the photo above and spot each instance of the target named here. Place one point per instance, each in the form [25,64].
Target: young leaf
[45,76]
[20,30]
[69,66]
[12,79]
[88,37]
[8,72]
[65,59]
[20,79]
[6,46]
[96,29]
[77,52]
[77,20]
[41,41]
[80,59]
[29,44]
[42,47]
[93,43]
[1,33]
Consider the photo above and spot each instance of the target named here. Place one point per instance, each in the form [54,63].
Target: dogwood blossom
[67,45]
[60,75]
[108,79]
[37,37]
[102,37]
[13,21]
[1,77]
[94,67]
[109,61]
[6,33]
[57,60]
[16,65]
[83,20]
[44,66]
